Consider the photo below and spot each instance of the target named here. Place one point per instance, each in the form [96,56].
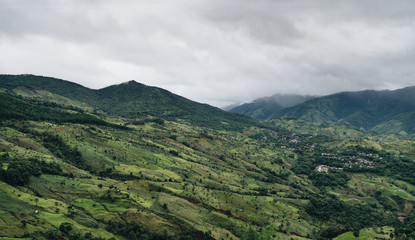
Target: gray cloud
[58,20]
[214,51]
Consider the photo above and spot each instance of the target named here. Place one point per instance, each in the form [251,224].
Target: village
[349,160]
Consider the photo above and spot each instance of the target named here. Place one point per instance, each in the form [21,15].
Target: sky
[219,52]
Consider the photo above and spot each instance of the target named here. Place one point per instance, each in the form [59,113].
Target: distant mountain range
[265,108]
[381,111]
[130,99]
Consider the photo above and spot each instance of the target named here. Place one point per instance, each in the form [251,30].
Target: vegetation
[18,171]
[342,217]
[265,108]
[16,109]
[158,177]
[131,100]
[381,111]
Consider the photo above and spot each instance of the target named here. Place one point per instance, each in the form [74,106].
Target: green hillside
[265,108]
[81,168]
[14,108]
[130,99]
[382,111]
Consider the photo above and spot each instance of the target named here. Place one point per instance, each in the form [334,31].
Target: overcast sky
[214,51]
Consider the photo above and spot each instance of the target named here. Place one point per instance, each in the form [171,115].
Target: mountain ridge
[366,109]
[132,99]
[264,108]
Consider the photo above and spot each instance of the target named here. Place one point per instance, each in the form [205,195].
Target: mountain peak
[133,82]
[130,82]
[132,99]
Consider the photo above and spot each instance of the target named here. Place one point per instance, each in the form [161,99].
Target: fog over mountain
[379,111]
[265,108]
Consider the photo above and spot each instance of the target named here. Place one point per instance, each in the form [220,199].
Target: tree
[356,232]
[24,223]
[65,227]
[132,235]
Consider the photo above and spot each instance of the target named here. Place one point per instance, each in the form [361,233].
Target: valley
[138,162]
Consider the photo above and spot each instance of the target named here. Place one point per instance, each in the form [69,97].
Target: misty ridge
[265,108]
[286,100]
[387,111]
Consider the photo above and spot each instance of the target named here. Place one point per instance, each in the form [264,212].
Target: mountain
[383,111]
[130,99]
[13,108]
[265,108]
[78,163]
[229,107]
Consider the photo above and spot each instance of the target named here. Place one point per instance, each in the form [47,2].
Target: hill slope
[130,99]
[384,111]
[65,174]
[265,108]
